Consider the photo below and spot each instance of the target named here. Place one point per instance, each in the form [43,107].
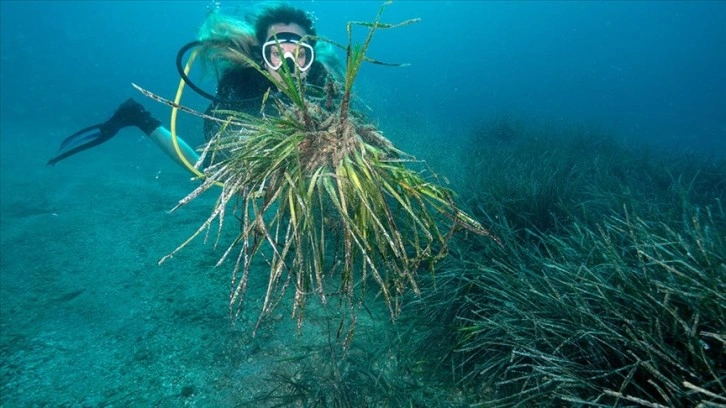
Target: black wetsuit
[242,90]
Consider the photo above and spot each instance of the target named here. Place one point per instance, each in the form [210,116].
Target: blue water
[94,226]
[652,70]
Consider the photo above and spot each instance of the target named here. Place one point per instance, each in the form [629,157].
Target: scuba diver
[275,35]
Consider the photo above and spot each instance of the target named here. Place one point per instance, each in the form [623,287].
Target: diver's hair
[282,14]
[222,38]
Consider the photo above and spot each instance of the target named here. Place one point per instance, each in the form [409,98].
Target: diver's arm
[162,137]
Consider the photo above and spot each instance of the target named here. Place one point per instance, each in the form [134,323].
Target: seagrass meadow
[609,289]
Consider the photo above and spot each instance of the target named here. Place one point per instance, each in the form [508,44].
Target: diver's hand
[130,113]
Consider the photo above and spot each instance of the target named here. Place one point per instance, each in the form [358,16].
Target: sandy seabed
[89,318]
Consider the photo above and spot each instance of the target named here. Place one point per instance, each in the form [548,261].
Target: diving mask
[284,46]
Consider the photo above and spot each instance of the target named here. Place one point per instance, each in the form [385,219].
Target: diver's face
[276,59]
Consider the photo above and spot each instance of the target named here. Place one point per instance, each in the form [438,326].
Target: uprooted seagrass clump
[325,199]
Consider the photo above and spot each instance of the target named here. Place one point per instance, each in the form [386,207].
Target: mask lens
[288,46]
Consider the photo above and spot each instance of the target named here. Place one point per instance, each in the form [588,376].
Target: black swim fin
[80,141]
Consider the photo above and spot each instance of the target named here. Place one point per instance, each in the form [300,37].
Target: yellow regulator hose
[174,113]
